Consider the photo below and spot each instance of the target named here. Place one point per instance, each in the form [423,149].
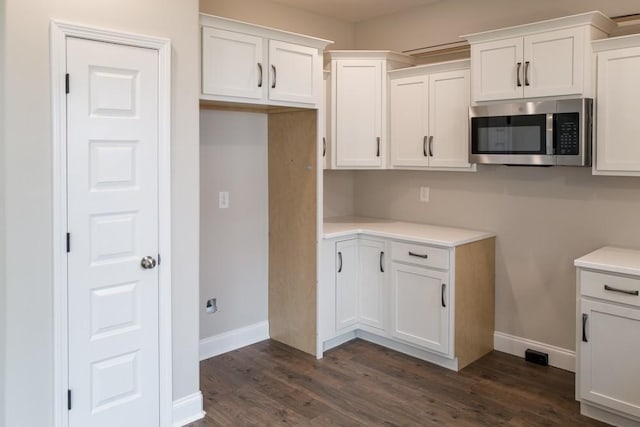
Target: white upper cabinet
[246,63]
[359,107]
[544,59]
[617,149]
[429,116]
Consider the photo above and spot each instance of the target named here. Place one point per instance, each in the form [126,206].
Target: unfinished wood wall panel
[292,228]
[475,300]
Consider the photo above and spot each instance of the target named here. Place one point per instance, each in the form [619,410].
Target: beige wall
[445,21]
[339,193]
[270,14]
[234,242]
[28,221]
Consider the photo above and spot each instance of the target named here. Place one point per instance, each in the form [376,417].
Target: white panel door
[609,364]
[371,275]
[449,119]
[358,114]
[346,283]
[497,70]
[293,71]
[232,64]
[618,130]
[408,121]
[112,180]
[553,63]
[420,307]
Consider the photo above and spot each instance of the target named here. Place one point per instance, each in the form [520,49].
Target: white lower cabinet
[608,341]
[419,306]
[401,294]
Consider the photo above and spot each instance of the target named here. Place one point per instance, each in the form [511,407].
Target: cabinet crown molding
[387,55]
[261,31]
[595,19]
[462,64]
[616,43]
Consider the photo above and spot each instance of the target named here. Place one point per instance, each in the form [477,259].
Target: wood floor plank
[360,383]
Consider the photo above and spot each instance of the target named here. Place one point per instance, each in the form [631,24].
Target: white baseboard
[558,357]
[187,409]
[233,340]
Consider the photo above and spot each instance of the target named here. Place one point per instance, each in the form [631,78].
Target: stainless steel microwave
[546,133]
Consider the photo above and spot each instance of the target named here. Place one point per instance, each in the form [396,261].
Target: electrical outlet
[211,305]
[424,194]
[223,199]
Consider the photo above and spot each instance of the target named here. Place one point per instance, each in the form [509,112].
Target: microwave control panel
[566,129]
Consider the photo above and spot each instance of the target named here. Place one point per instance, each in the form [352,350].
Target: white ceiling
[354,10]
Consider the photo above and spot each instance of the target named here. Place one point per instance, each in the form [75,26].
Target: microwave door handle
[549,134]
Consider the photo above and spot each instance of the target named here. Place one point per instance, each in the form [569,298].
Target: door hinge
[68,242]
[66,82]
[69,400]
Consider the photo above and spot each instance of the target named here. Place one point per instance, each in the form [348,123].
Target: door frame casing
[59,32]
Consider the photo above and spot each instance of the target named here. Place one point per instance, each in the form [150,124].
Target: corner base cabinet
[434,301]
[608,336]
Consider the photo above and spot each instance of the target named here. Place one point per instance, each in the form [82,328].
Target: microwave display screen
[509,134]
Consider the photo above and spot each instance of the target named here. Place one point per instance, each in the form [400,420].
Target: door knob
[148,262]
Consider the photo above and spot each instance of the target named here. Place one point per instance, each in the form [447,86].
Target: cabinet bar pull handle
[424,146]
[526,73]
[431,145]
[622,291]
[340,260]
[381,261]
[444,288]
[518,74]
[324,146]
[275,76]
[378,145]
[425,256]
[584,327]
[260,70]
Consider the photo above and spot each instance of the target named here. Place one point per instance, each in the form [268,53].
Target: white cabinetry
[426,300]
[359,290]
[346,283]
[258,65]
[429,115]
[608,336]
[617,150]
[544,59]
[358,107]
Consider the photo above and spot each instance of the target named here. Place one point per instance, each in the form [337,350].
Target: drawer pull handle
[425,256]
[584,327]
[444,289]
[340,262]
[622,291]
[381,261]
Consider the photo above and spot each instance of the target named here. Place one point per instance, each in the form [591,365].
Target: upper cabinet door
[618,127]
[408,114]
[293,73]
[232,64]
[554,63]
[449,119]
[497,69]
[358,114]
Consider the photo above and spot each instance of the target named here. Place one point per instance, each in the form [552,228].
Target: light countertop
[392,229]
[611,259]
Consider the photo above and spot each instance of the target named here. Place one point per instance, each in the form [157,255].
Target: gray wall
[3,308]
[28,222]
[234,242]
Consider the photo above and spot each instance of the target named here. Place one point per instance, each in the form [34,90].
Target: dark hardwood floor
[360,383]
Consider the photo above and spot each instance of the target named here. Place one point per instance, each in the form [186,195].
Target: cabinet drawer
[420,255]
[618,288]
